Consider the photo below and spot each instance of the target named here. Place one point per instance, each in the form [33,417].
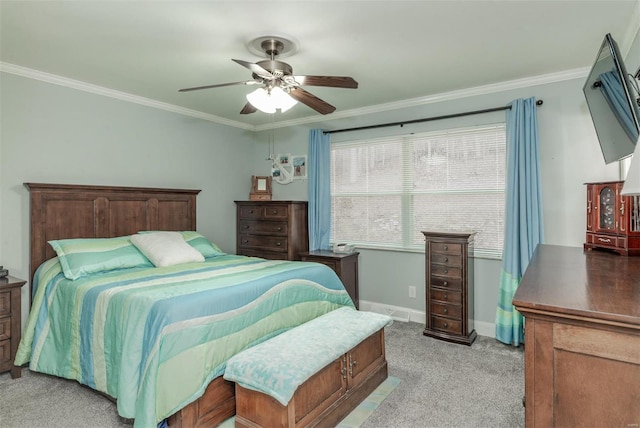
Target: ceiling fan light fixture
[268,101]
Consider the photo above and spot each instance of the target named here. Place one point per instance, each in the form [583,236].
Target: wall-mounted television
[613,103]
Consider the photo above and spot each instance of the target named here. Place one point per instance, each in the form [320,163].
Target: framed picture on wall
[284,159]
[299,163]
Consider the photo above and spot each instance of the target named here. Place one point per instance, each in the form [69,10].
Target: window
[384,192]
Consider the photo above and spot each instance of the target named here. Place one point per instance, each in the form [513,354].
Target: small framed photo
[299,166]
[284,159]
[260,188]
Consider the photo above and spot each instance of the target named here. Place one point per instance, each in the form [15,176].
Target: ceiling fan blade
[312,101]
[197,88]
[255,68]
[331,81]
[248,109]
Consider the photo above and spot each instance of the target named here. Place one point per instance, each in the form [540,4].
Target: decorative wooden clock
[613,220]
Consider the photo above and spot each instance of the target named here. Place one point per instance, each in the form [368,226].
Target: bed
[155,338]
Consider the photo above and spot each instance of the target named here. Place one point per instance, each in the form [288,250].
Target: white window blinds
[386,191]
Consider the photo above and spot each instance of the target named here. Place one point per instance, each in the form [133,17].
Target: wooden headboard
[63,211]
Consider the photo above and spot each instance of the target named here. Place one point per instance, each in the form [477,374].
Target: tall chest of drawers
[449,286]
[272,229]
[10,319]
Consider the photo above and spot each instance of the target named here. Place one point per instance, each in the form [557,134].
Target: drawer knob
[444,296]
[278,244]
[244,241]
[250,211]
[445,310]
[274,212]
[246,226]
[446,247]
[445,283]
[446,259]
[280,229]
[446,271]
[445,325]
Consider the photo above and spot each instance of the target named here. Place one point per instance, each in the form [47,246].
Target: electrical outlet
[412,291]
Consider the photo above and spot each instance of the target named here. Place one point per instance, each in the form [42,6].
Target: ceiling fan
[278,81]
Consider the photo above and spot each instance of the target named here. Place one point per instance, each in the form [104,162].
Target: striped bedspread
[153,338]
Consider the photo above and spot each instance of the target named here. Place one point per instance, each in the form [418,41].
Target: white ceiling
[397,50]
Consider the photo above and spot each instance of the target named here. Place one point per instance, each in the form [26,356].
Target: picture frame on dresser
[260,188]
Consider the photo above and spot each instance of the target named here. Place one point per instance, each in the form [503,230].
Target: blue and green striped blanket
[153,338]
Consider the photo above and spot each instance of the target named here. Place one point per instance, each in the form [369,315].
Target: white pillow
[166,248]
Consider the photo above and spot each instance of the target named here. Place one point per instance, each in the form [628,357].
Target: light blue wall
[53,134]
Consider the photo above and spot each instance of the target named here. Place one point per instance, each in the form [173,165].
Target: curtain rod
[447,116]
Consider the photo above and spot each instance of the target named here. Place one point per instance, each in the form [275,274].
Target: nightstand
[10,320]
[343,264]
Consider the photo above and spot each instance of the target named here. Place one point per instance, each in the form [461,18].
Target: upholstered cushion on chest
[280,365]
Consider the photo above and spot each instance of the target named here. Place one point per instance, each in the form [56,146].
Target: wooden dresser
[272,229]
[343,264]
[582,338]
[10,323]
[449,286]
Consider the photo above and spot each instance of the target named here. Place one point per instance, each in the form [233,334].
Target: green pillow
[85,256]
[202,244]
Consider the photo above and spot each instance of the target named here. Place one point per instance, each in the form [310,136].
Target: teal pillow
[202,244]
[82,257]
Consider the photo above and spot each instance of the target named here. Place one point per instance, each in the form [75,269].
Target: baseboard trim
[399,313]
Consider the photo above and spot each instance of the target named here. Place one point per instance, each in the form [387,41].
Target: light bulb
[269,101]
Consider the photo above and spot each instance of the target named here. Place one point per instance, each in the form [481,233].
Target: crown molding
[445,96]
[413,102]
[124,96]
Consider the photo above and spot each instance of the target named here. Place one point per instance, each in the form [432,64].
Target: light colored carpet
[441,385]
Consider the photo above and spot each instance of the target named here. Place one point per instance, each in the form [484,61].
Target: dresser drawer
[271,255]
[332,264]
[447,325]
[452,283]
[446,296]
[446,259]
[448,271]
[273,212]
[446,248]
[261,212]
[445,310]
[264,227]
[606,240]
[5,303]
[5,351]
[5,328]
[271,243]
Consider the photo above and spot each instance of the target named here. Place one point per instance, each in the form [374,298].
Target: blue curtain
[523,222]
[319,190]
